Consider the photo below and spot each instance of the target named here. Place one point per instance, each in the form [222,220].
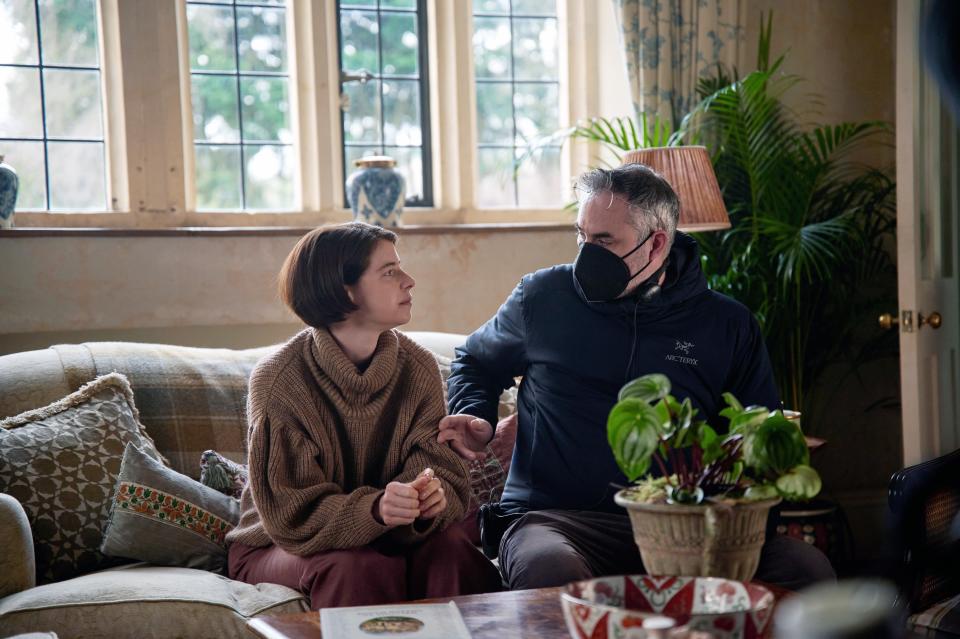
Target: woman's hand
[400,503]
[433,500]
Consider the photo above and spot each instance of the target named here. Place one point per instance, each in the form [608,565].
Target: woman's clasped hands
[403,503]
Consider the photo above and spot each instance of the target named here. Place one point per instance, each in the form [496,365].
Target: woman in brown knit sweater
[350,495]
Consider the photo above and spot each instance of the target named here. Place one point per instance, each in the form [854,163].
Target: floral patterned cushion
[61,463]
[165,518]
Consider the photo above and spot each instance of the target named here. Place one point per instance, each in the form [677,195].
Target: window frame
[239,75]
[423,82]
[148,134]
[45,137]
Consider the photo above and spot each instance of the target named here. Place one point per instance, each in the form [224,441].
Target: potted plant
[706,512]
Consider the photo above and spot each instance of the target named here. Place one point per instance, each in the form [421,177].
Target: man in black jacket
[634,302]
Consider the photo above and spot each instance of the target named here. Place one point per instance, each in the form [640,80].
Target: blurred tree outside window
[240,93]
[383,91]
[516,65]
[51,106]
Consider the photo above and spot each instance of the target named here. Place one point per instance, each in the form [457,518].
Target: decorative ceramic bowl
[609,607]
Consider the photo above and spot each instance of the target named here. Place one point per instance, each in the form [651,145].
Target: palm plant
[810,228]
[808,250]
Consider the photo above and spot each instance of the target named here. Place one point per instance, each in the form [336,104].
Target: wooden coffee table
[495,615]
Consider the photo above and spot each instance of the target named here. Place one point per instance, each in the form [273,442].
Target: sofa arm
[18,567]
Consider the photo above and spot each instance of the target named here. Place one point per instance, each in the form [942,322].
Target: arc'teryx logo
[685,348]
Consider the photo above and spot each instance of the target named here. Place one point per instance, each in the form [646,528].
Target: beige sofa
[190,400]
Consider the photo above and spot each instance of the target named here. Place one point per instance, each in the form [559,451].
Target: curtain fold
[669,44]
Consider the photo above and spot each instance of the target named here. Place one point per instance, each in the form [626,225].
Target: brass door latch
[888,321]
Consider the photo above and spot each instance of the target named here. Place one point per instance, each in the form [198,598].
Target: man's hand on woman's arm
[467,435]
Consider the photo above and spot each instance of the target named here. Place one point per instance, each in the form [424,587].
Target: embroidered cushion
[165,518]
[61,463]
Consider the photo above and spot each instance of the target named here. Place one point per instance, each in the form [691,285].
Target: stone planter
[704,540]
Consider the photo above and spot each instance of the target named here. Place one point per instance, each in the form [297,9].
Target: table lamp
[689,171]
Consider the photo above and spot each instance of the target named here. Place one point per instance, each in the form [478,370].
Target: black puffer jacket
[575,355]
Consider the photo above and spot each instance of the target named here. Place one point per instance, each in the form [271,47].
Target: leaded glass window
[51,105]
[240,92]
[384,91]
[516,64]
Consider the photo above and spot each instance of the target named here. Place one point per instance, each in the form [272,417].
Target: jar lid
[376,161]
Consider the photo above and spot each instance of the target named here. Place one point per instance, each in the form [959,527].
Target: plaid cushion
[190,399]
[940,620]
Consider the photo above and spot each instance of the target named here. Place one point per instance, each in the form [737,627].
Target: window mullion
[114,135]
[453,120]
[579,88]
[327,104]
[43,106]
[153,113]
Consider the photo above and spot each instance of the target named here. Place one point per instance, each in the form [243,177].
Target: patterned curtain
[671,43]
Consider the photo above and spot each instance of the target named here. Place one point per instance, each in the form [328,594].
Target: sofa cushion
[190,399]
[159,516]
[223,475]
[146,602]
[939,620]
[61,463]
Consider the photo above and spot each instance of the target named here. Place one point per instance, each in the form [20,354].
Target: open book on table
[416,621]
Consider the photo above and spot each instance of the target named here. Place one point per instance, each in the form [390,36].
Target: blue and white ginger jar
[9,185]
[376,191]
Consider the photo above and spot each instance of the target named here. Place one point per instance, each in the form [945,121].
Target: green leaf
[801,483]
[649,388]
[633,434]
[748,420]
[710,443]
[774,447]
[732,402]
[735,472]
[761,491]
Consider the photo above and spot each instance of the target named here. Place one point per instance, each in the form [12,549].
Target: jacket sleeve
[302,511]
[421,450]
[489,361]
[751,376]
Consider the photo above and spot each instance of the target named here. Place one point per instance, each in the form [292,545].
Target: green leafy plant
[762,455]
[808,251]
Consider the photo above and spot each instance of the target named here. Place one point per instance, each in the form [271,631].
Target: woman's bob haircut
[324,262]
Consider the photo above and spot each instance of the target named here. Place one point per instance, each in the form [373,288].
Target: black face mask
[602,274]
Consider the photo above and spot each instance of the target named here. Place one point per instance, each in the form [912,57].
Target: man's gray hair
[652,201]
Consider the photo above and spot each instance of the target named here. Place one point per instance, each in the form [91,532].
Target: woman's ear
[349,290]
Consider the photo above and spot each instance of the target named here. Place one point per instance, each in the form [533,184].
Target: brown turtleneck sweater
[324,440]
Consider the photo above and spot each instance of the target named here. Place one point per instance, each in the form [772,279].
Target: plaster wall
[845,52]
[184,289]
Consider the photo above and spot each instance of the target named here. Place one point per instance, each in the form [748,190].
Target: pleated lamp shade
[690,173]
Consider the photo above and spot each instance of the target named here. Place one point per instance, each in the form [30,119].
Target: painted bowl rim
[768,600]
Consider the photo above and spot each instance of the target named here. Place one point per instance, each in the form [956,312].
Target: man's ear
[659,242]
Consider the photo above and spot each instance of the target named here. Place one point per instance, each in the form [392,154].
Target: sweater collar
[334,363]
